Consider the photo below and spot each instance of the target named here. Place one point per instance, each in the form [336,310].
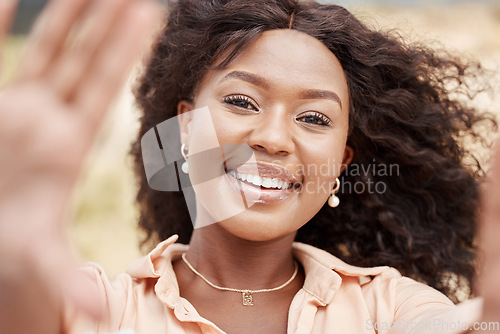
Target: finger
[7,10]
[74,62]
[111,65]
[49,35]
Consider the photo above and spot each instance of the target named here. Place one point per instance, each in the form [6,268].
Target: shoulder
[141,292]
[306,254]
[382,284]
[370,279]
[379,297]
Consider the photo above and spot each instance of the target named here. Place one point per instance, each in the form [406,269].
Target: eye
[241,101]
[315,118]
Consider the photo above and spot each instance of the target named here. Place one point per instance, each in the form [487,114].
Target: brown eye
[315,118]
[240,101]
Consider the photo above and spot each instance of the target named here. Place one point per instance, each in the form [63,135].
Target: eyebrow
[257,80]
[313,94]
[254,79]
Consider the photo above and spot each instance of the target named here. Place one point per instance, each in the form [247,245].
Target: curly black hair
[409,109]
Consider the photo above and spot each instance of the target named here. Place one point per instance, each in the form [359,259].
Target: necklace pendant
[247,298]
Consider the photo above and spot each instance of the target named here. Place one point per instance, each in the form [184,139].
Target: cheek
[322,163]
[325,153]
[203,135]
[230,128]
[216,127]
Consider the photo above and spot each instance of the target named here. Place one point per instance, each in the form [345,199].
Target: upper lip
[266,169]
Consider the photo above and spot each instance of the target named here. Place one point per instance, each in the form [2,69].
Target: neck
[229,261]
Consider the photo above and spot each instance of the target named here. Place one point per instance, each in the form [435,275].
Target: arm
[49,116]
[480,315]
[489,243]
[421,309]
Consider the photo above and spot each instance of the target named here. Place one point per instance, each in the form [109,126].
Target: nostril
[259,148]
[270,150]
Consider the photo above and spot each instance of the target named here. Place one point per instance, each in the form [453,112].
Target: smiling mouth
[261,182]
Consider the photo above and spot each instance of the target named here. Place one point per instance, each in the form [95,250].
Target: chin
[256,230]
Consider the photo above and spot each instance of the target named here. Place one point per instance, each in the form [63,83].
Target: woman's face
[285,99]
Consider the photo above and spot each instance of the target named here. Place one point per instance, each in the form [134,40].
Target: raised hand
[77,57]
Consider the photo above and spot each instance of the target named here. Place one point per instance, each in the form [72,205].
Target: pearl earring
[185,165]
[334,201]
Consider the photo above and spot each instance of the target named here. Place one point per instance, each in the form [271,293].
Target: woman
[269,90]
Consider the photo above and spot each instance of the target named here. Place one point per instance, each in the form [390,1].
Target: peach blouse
[336,298]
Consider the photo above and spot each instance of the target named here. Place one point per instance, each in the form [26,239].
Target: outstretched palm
[75,62]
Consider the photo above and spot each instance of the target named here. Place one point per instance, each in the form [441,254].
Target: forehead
[291,51]
[290,59]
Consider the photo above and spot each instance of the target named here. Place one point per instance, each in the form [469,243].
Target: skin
[253,249]
[44,140]
[37,267]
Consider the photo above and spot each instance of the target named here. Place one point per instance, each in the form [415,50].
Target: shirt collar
[323,271]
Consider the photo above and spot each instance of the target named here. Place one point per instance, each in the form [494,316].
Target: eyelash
[318,117]
[323,120]
[235,99]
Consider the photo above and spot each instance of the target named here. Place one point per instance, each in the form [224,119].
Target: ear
[184,116]
[347,158]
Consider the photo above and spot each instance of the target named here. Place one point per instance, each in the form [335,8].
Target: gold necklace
[246,294]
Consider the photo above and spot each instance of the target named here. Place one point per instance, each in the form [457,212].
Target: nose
[273,134]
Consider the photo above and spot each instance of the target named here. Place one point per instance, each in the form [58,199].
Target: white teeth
[267,183]
[261,181]
[257,180]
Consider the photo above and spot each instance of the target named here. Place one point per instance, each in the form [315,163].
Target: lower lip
[258,194]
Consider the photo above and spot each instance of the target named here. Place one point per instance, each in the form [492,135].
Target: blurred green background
[103,216]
